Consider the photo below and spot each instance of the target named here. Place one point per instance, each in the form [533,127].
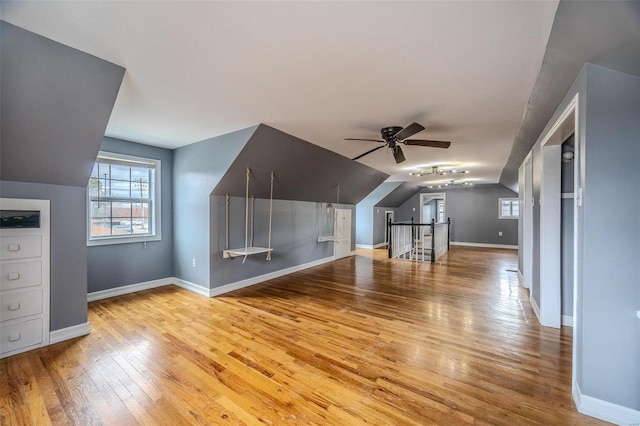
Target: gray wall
[473,212]
[610,286]
[197,169]
[68,247]
[56,102]
[116,265]
[294,237]
[367,232]
[606,332]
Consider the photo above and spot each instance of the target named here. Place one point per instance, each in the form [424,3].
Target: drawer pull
[14,247]
[14,306]
[12,276]
[14,337]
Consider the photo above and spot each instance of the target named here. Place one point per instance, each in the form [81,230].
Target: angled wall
[56,102]
[197,169]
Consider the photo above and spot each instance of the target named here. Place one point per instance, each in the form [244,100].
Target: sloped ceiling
[605,33]
[303,171]
[56,103]
[320,70]
[398,196]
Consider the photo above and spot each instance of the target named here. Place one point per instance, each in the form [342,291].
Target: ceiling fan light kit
[436,171]
[392,136]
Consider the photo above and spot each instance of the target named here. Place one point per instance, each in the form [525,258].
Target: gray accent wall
[368,216]
[68,247]
[56,102]
[303,171]
[473,212]
[295,231]
[399,195]
[607,293]
[117,265]
[197,169]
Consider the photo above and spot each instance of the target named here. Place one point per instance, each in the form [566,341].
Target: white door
[342,244]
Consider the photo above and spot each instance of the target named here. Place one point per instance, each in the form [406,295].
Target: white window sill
[122,240]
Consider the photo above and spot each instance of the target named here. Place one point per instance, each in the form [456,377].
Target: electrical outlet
[193,263]
[499,233]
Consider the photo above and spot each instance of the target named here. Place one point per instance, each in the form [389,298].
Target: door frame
[388,214]
[424,195]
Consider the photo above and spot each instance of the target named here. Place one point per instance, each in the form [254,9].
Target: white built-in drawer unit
[24,275]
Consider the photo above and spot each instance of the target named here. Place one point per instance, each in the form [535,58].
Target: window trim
[156,218]
[511,201]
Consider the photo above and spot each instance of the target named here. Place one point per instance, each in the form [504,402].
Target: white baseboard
[501,246]
[57,336]
[202,291]
[567,320]
[604,410]
[119,291]
[536,308]
[520,278]
[217,291]
[369,246]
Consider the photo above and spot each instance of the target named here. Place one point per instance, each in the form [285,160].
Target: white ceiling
[321,71]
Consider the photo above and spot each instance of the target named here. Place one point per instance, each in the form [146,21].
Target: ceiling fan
[392,136]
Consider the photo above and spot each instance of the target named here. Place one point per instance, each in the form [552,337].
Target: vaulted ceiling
[321,71]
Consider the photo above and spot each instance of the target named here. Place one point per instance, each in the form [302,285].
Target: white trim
[57,336]
[520,278]
[369,246]
[567,195]
[195,288]
[534,306]
[156,201]
[604,410]
[217,291]
[353,253]
[567,321]
[119,291]
[502,246]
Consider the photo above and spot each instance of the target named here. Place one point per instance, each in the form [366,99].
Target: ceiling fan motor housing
[388,133]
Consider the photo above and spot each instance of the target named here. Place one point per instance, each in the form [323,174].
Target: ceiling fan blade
[369,152]
[410,130]
[424,142]
[368,140]
[398,155]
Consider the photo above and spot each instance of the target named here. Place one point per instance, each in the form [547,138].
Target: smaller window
[123,200]
[509,208]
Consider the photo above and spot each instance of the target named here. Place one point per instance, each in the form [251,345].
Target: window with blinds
[123,199]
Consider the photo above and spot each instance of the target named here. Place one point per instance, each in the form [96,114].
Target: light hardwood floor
[360,340]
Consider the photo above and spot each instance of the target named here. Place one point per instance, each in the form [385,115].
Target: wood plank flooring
[363,340]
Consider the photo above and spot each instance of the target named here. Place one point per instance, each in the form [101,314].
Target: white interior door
[342,244]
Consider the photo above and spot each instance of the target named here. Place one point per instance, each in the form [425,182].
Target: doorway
[432,206]
[388,217]
[342,243]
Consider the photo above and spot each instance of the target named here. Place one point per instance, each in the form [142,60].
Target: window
[123,200]
[509,208]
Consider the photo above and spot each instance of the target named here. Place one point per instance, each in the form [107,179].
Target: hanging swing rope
[270,215]
[253,214]
[227,219]
[246,218]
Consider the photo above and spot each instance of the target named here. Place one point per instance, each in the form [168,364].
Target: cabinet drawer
[20,247]
[20,274]
[22,304]
[20,335]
